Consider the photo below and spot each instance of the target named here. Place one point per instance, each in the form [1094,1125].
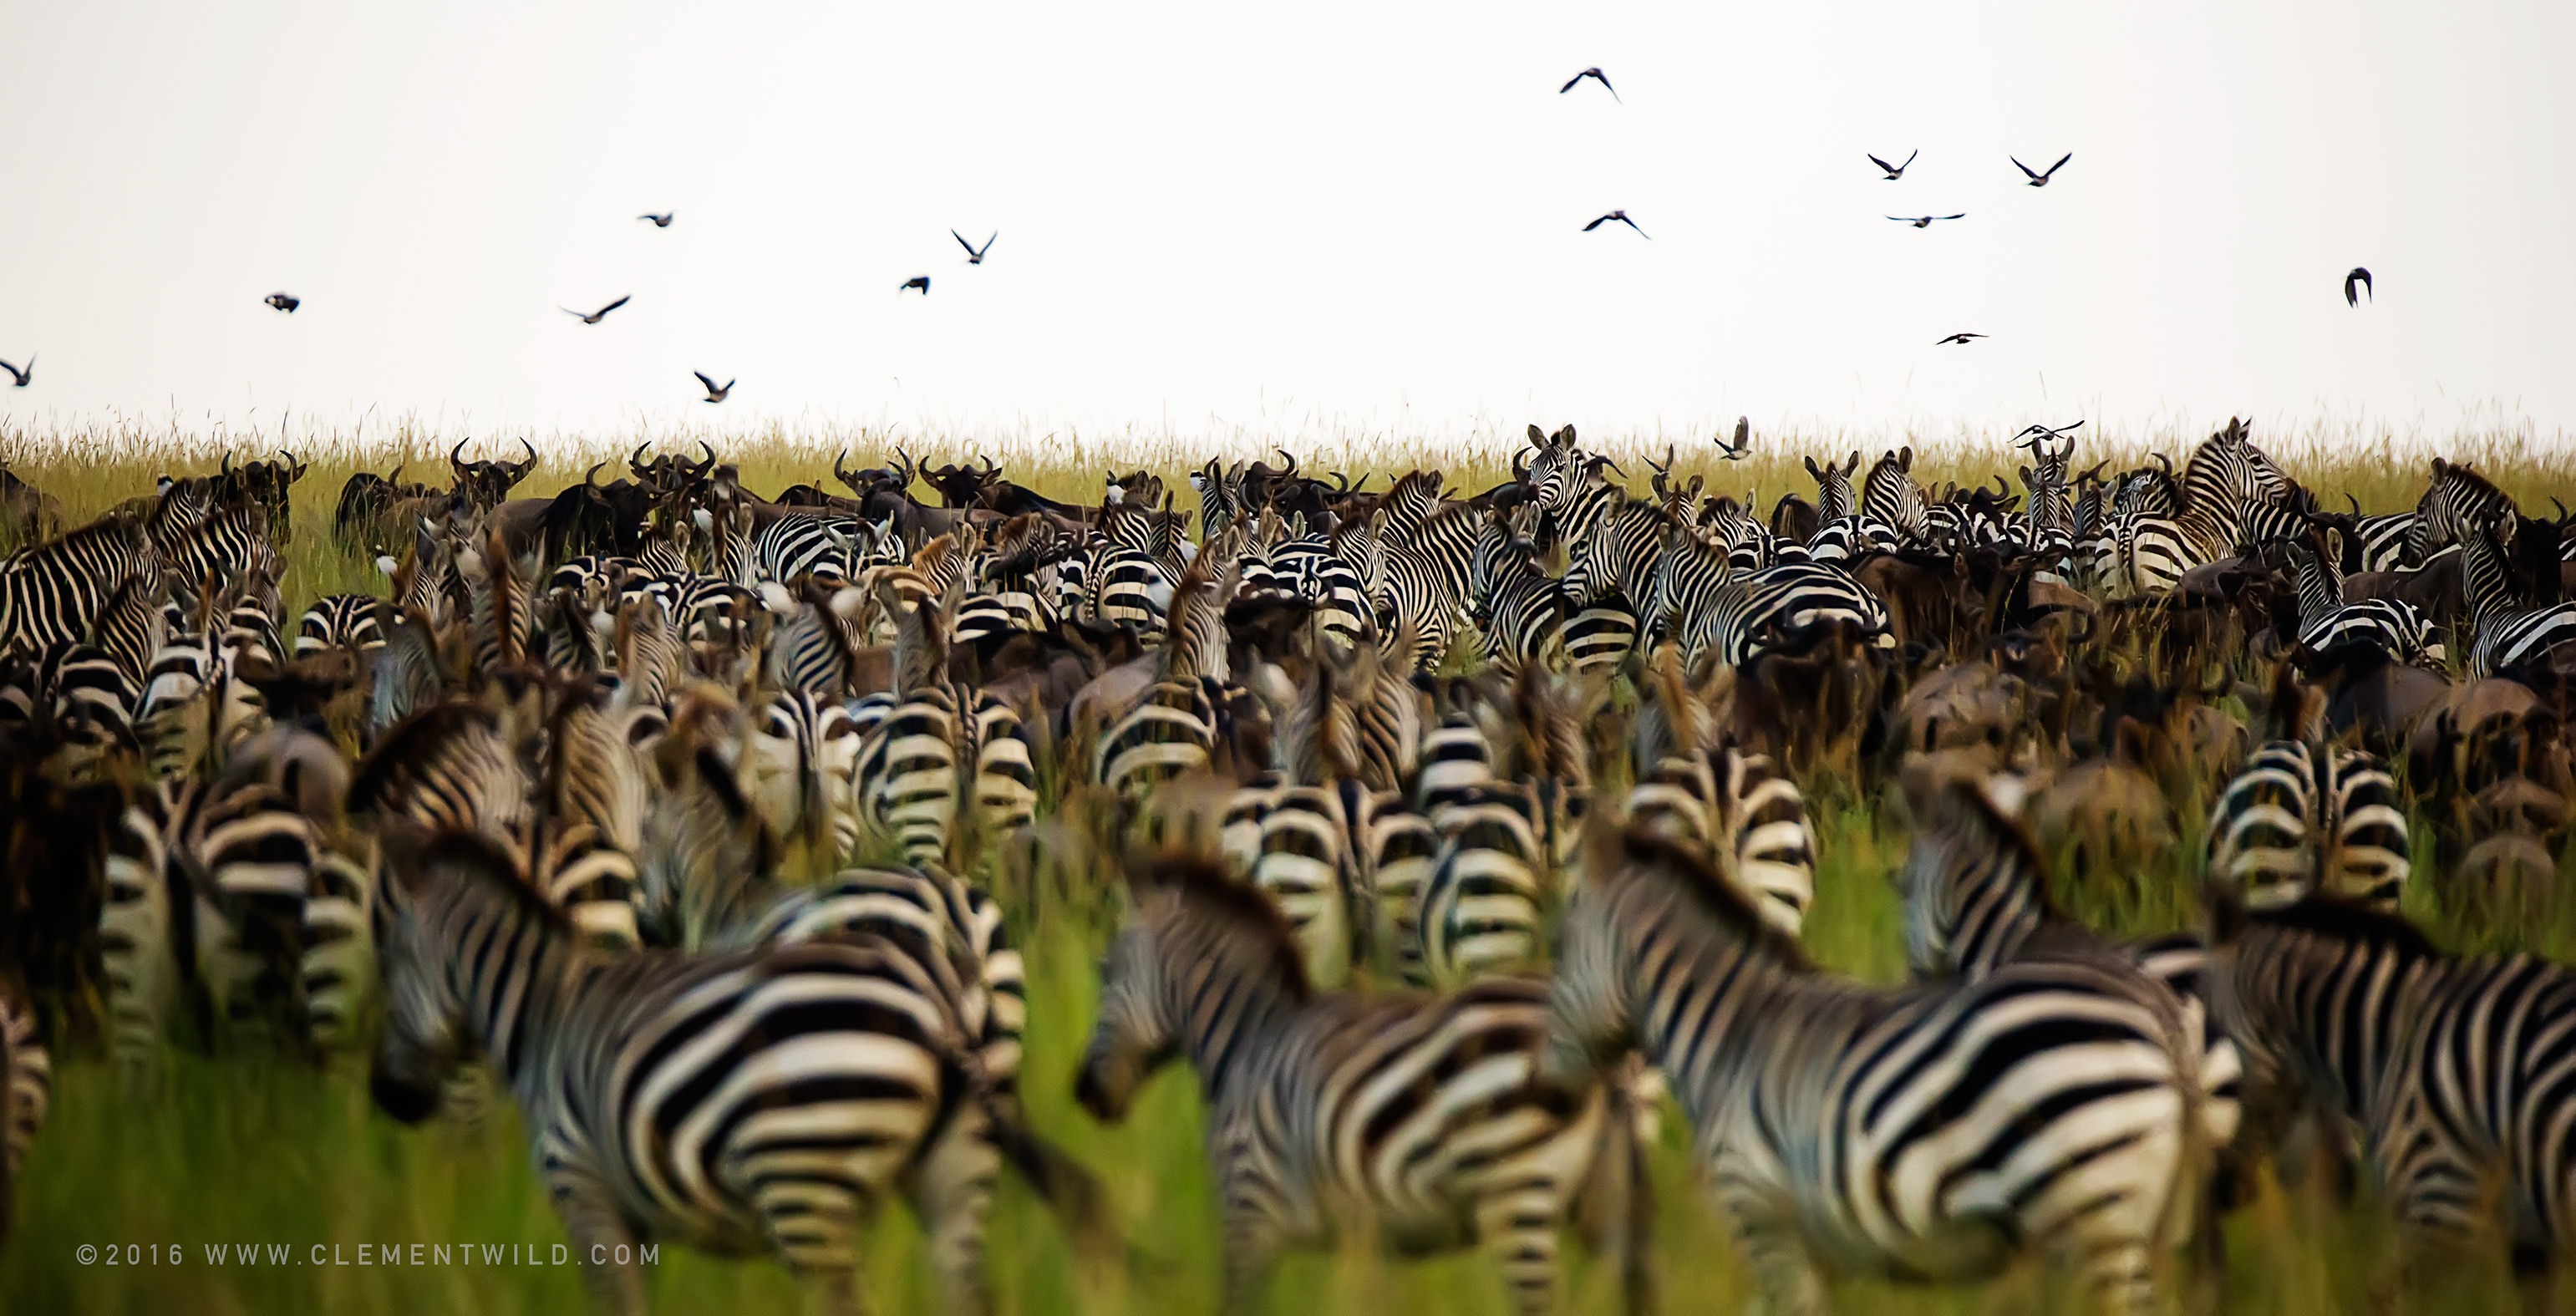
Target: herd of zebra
[1457,832]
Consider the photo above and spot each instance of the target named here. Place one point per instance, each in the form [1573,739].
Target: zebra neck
[512,965]
[1231,1014]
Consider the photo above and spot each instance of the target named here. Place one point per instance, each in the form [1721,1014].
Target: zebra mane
[1194,639]
[1615,856]
[1239,909]
[473,861]
[920,637]
[1314,743]
[1674,720]
[1550,727]
[2468,476]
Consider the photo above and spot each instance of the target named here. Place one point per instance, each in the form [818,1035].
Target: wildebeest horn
[227,467]
[1292,462]
[709,463]
[2002,490]
[840,460]
[2162,461]
[1521,460]
[1342,484]
[396,477]
[592,476]
[635,460]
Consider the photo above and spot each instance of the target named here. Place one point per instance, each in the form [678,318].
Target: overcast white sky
[1360,214]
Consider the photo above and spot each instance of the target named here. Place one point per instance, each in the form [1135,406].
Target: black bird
[974,255]
[22,378]
[286,302]
[1622,217]
[659,221]
[921,281]
[715,394]
[1925,221]
[1960,339]
[2358,275]
[1743,441]
[598,315]
[1895,171]
[2041,180]
[2040,433]
[1597,76]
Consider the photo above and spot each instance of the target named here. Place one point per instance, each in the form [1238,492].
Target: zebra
[1834,500]
[2170,529]
[1426,552]
[1743,815]
[1417,1112]
[53,592]
[1889,496]
[2328,625]
[1511,594]
[1172,726]
[942,751]
[1976,898]
[1873,1125]
[26,1091]
[209,887]
[1480,909]
[340,623]
[762,1099]
[2451,1069]
[1847,538]
[2456,502]
[1780,606]
[804,759]
[2304,815]
[1617,546]
[2511,631]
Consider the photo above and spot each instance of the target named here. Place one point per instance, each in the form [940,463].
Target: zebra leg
[1518,1224]
[1787,1276]
[134,936]
[599,1236]
[952,1190]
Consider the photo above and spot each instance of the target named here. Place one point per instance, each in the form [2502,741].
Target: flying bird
[1622,217]
[1925,221]
[21,378]
[598,315]
[659,221]
[974,254]
[1743,441]
[921,281]
[2041,180]
[2038,433]
[715,394]
[286,302]
[2360,276]
[1895,171]
[1597,76]
[1960,339]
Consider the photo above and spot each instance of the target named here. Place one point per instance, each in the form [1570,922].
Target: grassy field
[258,1150]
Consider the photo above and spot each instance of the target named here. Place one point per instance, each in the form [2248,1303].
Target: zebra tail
[1614,1206]
[1071,1192]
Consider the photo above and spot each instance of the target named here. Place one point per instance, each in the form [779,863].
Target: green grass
[258,1149]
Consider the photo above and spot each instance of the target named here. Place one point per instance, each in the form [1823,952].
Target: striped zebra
[2175,528]
[1427,555]
[1834,501]
[1414,1114]
[2453,1070]
[1617,546]
[1976,898]
[2375,541]
[1889,496]
[942,753]
[2510,629]
[54,592]
[340,623]
[1931,1131]
[209,888]
[26,1092]
[1781,607]
[2328,625]
[1309,847]
[804,758]
[1172,727]
[2304,815]
[1740,813]
[1511,593]
[762,1100]
[1846,538]
[2457,501]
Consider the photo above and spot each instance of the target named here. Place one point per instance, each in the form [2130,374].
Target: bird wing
[571,312]
[1596,223]
[1882,164]
[1569,84]
[1633,225]
[988,243]
[2017,164]
[615,304]
[702,378]
[1909,160]
[961,241]
[1961,215]
[1901,219]
[2061,163]
[13,370]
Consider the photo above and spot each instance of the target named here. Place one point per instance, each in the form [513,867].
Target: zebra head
[1972,883]
[2458,500]
[1833,487]
[427,1033]
[1205,964]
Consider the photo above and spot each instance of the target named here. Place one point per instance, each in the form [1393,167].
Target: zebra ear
[1537,437]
